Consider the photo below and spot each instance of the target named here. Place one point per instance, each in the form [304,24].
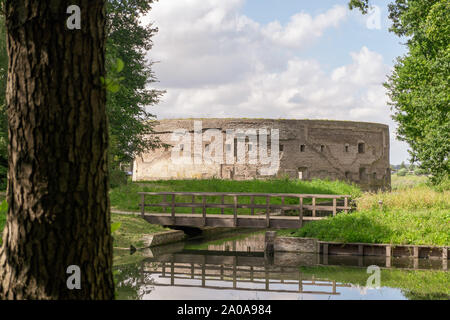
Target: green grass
[131,230]
[415,284]
[126,198]
[418,215]
[421,227]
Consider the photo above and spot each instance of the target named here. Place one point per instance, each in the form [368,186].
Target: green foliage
[402,172]
[362,5]
[115,226]
[112,82]
[129,76]
[117,178]
[418,85]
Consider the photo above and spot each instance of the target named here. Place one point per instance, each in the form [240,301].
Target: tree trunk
[58,172]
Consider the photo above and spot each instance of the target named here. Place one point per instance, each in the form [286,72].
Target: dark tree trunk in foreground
[58,184]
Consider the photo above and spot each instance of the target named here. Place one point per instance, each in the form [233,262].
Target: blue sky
[274,59]
[332,50]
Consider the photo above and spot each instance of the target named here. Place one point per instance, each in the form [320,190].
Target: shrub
[117,178]
[402,172]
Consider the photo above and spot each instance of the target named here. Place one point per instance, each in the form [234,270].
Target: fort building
[242,149]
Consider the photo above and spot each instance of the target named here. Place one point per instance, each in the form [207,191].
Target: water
[237,269]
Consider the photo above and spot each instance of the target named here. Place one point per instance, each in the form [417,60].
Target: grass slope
[418,215]
[131,230]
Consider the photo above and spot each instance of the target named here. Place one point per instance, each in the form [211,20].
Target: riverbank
[131,230]
[419,215]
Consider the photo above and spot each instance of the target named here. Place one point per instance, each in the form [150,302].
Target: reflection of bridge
[226,212]
[238,271]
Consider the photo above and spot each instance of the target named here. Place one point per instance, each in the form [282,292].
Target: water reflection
[239,269]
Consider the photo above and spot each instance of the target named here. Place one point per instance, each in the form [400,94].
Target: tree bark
[58,212]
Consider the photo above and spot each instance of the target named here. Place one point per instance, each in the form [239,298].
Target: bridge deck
[218,220]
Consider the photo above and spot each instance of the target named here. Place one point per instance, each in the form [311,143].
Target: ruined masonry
[352,151]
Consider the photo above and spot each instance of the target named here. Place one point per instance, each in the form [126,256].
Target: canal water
[236,268]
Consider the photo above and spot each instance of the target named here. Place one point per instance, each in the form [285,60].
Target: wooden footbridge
[247,210]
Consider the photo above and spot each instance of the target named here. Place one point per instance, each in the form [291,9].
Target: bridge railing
[169,201]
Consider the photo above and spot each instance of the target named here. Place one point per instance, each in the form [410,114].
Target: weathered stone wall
[344,150]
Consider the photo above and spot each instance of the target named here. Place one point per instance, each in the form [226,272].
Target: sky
[290,59]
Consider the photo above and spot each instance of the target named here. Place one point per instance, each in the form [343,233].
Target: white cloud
[302,28]
[216,62]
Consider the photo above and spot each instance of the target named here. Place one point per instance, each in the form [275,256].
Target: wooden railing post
[173,208]
[204,210]
[346,204]
[165,201]
[334,207]
[235,211]
[282,203]
[222,202]
[300,211]
[142,205]
[314,206]
[193,202]
[268,211]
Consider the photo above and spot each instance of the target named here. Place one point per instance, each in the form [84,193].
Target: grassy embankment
[417,214]
[131,230]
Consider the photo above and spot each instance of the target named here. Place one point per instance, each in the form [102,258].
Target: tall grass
[419,197]
[418,215]
[408,181]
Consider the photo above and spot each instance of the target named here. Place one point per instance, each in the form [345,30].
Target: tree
[403,165]
[58,212]
[3,119]
[129,40]
[418,86]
